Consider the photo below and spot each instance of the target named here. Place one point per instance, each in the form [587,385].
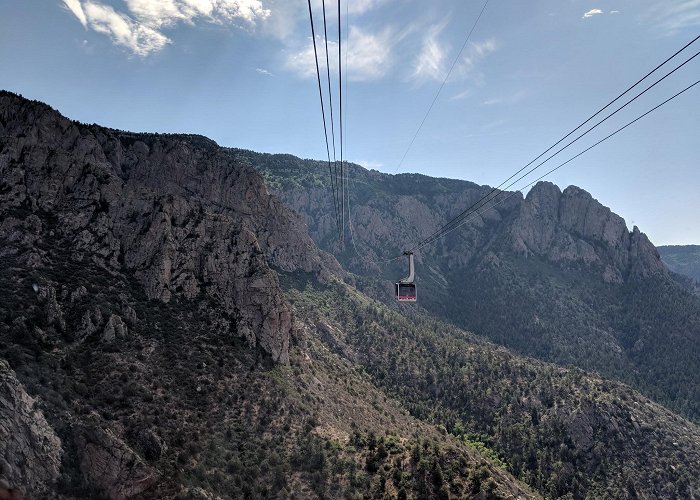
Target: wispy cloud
[77,9]
[362,6]
[370,57]
[141,39]
[430,63]
[140,29]
[475,53]
[591,13]
[507,99]
[369,164]
[263,71]
[462,95]
[672,17]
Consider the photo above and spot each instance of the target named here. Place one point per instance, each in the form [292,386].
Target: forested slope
[564,431]
[169,330]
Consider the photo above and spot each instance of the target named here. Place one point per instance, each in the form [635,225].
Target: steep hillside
[146,347]
[564,431]
[554,275]
[682,259]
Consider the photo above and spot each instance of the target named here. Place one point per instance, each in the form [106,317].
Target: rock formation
[573,226]
[110,465]
[30,451]
[177,212]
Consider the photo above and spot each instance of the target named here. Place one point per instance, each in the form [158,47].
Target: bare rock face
[111,466]
[573,226]
[30,451]
[179,213]
[115,329]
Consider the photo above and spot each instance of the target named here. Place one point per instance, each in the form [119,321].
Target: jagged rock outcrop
[177,212]
[115,329]
[30,451]
[573,226]
[112,466]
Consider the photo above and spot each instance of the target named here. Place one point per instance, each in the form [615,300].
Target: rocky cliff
[31,451]
[108,239]
[176,212]
[573,226]
[147,349]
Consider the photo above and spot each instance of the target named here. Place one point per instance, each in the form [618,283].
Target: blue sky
[242,73]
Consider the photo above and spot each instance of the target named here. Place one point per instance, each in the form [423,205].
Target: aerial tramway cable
[447,76]
[446,227]
[334,185]
[476,209]
[425,117]
[512,193]
[323,112]
[340,121]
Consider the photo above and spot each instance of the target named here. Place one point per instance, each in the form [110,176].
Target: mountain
[169,329]
[147,348]
[554,275]
[682,259]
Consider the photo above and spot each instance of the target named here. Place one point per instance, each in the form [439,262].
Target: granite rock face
[177,212]
[30,451]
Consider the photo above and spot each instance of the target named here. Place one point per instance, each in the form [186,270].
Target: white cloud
[433,59]
[362,6]
[169,12]
[462,95]
[140,30]
[672,17]
[370,164]
[591,13]
[369,56]
[430,63]
[476,52]
[77,9]
[138,38]
[614,11]
[507,99]
[263,71]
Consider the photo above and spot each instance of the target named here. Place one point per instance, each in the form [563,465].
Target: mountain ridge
[556,269]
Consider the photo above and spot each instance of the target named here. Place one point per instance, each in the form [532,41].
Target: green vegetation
[377,401]
[563,431]
[206,410]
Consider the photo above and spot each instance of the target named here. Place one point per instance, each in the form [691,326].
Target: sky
[242,72]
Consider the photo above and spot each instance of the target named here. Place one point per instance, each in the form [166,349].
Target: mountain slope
[564,431]
[146,347]
[554,275]
[682,259]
